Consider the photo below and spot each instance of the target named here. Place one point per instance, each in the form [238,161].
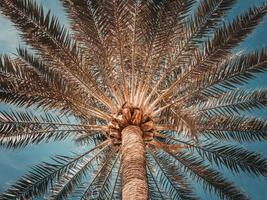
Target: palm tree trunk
[133,164]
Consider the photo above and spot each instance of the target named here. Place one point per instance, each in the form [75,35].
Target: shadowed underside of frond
[153,86]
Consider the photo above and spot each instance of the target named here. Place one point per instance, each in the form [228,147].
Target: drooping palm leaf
[211,180]
[37,182]
[69,181]
[235,158]
[171,179]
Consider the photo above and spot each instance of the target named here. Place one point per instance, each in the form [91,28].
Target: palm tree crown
[150,88]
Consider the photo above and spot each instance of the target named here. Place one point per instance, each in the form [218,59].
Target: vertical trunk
[133,165]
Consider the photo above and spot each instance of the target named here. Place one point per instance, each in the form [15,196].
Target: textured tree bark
[133,165]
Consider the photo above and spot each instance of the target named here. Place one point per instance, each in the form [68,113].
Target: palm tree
[149,88]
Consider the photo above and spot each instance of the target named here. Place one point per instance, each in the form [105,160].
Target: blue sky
[14,164]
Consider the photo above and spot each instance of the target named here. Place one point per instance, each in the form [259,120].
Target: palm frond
[225,39]
[25,83]
[94,26]
[229,36]
[104,191]
[226,76]
[211,180]
[84,139]
[117,182]
[31,19]
[155,191]
[241,70]
[22,86]
[19,129]
[234,103]
[229,75]
[171,19]
[235,158]
[121,13]
[174,120]
[207,16]
[96,182]
[240,129]
[68,182]
[171,179]
[53,42]
[37,182]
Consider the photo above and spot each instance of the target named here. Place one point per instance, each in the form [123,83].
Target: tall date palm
[150,88]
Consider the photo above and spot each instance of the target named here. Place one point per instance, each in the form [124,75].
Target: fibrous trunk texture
[133,164]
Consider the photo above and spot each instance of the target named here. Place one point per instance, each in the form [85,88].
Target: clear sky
[14,164]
